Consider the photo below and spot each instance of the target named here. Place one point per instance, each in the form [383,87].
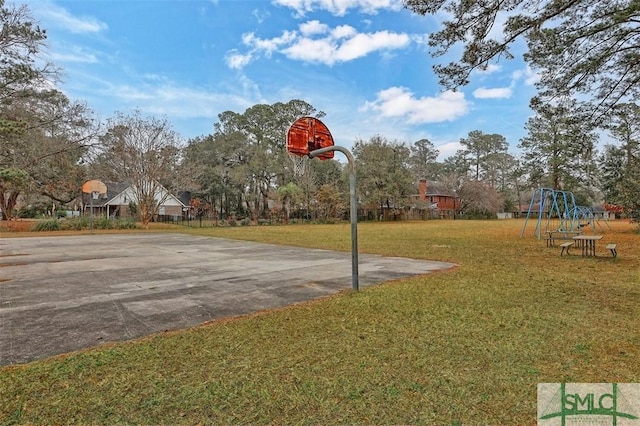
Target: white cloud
[532,79]
[399,102]
[340,44]
[421,40]
[268,45]
[308,50]
[527,74]
[497,29]
[343,31]
[237,61]
[339,7]
[491,68]
[362,44]
[62,18]
[47,84]
[74,54]
[530,76]
[260,15]
[447,149]
[299,5]
[154,77]
[313,27]
[129,93]
[494,93]
[183,102]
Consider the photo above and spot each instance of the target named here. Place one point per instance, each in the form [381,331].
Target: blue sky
[365,63]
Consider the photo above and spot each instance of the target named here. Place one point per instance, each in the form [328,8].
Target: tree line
[50,145]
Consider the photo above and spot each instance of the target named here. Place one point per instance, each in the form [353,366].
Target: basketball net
[299,163]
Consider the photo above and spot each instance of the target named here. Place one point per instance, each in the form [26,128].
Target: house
[121,196]
[522,210]
[440,201]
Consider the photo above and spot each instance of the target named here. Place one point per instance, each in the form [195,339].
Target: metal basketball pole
[354,208]
[91,218]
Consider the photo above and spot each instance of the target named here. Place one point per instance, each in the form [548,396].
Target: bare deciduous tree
[144,152]
[479,198]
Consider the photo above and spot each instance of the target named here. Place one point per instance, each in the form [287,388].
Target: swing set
[557,211]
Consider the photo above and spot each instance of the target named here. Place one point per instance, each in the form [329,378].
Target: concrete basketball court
[61,294]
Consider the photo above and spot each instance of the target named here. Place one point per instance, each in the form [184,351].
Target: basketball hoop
[305,135]
[95,188]
[309,135]
[299,163]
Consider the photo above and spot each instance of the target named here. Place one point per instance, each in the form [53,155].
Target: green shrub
[29,212]
[80,223]
[102,223]
[477,215]
[47,225]
[125,224]
[76,224]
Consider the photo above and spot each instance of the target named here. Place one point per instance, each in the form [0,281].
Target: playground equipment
[308,138]
[557,211]
[584,217]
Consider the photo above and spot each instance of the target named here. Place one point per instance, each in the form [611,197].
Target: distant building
[120,197]
[434,200]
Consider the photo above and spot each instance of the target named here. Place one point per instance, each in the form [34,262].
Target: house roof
[438,188]
[534,207]
[113,189]
[185,197]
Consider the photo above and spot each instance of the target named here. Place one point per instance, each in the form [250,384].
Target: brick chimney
[422,189]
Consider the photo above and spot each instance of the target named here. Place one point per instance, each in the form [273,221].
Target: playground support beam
[552,202]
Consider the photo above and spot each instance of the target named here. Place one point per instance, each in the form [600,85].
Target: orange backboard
[94,186]
[307,134]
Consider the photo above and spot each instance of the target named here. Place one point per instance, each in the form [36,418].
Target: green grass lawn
[465,346]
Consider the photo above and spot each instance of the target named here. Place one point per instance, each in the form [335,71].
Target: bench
[565,247]
[612,248]
[560,234]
